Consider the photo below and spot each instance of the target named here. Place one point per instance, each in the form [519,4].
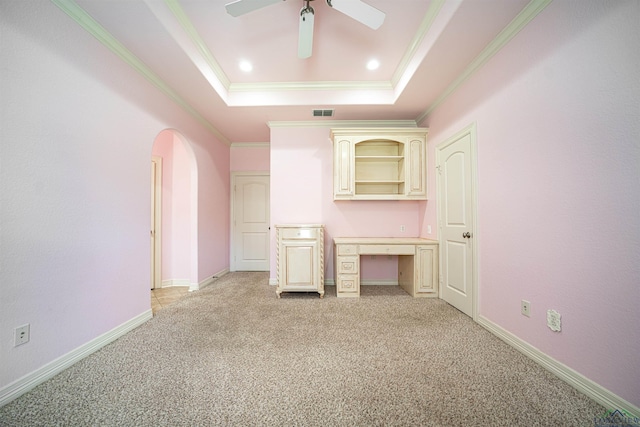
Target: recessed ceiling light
[373,64]
[246,66]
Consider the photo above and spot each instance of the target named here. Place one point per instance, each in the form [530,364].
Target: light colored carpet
[234,354]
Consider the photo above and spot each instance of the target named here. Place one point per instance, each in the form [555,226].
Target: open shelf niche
[380,164]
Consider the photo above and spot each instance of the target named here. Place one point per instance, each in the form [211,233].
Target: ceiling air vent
[323,113]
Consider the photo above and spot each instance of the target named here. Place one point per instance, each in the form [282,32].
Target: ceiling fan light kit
[356,9]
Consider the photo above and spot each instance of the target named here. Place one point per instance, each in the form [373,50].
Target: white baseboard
[332,282]
[28,382]
[175,282]
[562,371]
[207,281]
[379,282]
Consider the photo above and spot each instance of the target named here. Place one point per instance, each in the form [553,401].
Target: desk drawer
[387,249]
[348,264]
[347,249]
[347,283]
[299,233]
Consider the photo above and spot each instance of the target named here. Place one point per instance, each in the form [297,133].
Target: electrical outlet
[428,229]
[21,335]
[525,308]
[402,228]
[553,320]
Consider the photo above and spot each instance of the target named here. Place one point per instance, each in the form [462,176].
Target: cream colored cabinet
[418,275]
[379,164]
[347,269]
[417,263]
[300,258]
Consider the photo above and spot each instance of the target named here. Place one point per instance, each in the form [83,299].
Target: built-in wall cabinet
[379,164]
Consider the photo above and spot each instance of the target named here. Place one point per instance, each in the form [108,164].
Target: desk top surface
[383,241]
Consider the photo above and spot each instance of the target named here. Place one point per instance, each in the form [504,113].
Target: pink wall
[302,192]
[176,206]
[250,158]
[212,218]
[76,213]
[558,161]
[181,212]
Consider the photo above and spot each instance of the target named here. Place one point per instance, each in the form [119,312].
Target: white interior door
[250,236]
[456,216]
[156,222]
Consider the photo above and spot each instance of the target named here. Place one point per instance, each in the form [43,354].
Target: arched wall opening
[179,216]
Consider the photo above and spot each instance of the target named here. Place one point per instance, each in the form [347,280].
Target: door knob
[466,235]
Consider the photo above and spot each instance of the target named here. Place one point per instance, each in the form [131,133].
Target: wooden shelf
[379,164]
[379,158]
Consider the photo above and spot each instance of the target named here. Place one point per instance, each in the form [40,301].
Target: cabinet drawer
[347,249]
[347,283]
[348,264]
[298,233]
[387,249]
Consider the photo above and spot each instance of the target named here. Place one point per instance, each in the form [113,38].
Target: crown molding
[250,145]
[85,20]
[425,26]
[525,16]
[342,123]
[178,26]
[200,45]
[304,86]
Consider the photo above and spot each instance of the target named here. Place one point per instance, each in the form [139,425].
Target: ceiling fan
[356,9]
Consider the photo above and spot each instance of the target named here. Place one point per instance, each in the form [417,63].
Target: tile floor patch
[162,297]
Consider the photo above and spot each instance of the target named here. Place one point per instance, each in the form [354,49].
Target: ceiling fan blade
[360,11]
[305,33]
[240,7]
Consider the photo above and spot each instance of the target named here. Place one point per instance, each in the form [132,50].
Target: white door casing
[457,202]
[156,222]
[250,235]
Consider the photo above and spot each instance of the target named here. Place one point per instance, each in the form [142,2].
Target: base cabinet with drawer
[417,263]
[347,270]
[300,258]
[418,275]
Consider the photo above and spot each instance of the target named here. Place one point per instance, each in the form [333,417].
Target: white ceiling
[191,49]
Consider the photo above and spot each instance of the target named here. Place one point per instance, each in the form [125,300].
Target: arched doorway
[174,228]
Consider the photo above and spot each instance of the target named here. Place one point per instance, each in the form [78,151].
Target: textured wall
[559,173]
[77,131]
[250,158]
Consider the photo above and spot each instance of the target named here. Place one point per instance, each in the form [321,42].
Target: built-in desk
[417,263]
